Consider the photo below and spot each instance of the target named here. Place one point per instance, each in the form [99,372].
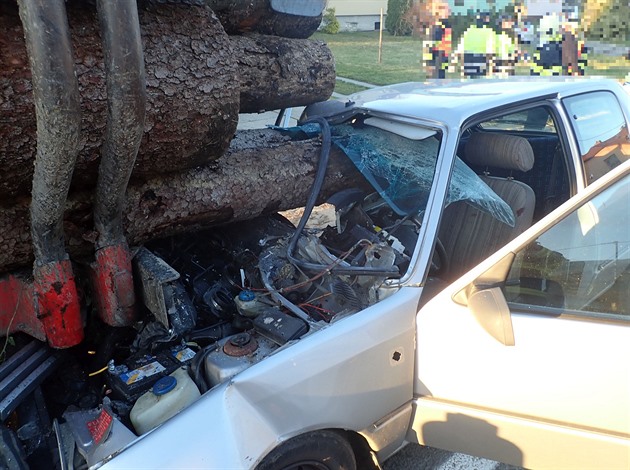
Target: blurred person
[547,60]
[573,50]
[506,49]
[477,48]
[569,51]
[437,48]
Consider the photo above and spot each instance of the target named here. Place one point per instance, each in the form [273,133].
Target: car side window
[601,131]
[550,177]
[533,120]
[582,263]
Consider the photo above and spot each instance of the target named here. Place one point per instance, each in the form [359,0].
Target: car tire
[317,450]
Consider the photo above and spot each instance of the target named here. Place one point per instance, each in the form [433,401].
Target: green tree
[330,22]
[397,22]
[610,23]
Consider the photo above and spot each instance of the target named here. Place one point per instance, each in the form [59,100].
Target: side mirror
[491,311]
[486,301]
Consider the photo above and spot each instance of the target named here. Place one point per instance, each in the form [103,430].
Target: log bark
[196,76]
[192,93]
[297,18]
[262,172]
[277,73]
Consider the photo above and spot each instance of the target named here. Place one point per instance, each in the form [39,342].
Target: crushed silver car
[268,345]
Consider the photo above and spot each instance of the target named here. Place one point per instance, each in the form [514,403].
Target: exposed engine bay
[215,303]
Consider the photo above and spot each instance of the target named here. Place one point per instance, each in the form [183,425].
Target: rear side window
[551,175]
[529,120]
[601,131]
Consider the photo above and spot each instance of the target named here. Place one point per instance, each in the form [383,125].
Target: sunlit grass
[347,88]
[356,56]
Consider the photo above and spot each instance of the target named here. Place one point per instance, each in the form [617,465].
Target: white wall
[358,7]
[358,15]
[359,23]
[542,7]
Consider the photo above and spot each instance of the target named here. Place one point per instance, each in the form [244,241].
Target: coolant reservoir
[169,395]
[248,304]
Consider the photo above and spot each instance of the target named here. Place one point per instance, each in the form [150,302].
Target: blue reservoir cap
[164,385]
[246,295]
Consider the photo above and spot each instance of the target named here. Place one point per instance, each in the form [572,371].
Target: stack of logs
[206,62]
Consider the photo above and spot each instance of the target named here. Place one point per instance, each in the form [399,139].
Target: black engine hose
[315,189]
[197,368]
[212,333]
[308,209]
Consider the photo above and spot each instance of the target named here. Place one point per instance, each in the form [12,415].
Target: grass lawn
[356,57]
[607,66]
[347,88]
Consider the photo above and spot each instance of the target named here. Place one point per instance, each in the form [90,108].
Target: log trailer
[64,322]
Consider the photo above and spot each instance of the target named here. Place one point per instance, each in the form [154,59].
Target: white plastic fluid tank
[248,305]
[169,395]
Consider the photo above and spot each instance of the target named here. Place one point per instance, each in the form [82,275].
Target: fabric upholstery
[470,235]
[505,151]
[549,177]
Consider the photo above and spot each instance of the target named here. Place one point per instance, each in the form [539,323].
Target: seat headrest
[505,151]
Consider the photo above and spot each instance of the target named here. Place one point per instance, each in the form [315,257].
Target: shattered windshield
[402,171]
[467,186]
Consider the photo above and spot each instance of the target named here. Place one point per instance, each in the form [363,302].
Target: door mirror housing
[486,301]
[491,311]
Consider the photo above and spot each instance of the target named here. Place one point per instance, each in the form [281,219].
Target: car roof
[453,101]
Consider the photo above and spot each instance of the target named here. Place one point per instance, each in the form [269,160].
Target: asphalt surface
[416,457]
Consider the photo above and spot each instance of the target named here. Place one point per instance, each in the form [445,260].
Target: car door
[525,359]
[600,129]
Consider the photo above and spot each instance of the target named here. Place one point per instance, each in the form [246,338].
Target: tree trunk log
[192,91]
[262,172]
[277,73]
[298,18]
[194,77]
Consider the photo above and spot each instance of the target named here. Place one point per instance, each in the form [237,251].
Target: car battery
[137,374]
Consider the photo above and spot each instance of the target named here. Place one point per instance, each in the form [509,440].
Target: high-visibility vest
[477,40]
[505,48]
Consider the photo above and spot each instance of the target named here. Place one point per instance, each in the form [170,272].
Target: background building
[466,7]
[359,15]
[540,8]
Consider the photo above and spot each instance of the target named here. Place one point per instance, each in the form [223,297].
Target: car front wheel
[317,450]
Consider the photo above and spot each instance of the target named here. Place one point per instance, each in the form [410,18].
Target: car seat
[470,235]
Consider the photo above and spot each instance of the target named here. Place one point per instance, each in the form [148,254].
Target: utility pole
[380,38]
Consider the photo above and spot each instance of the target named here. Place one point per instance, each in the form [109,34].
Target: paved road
[356,82]
[415,457]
